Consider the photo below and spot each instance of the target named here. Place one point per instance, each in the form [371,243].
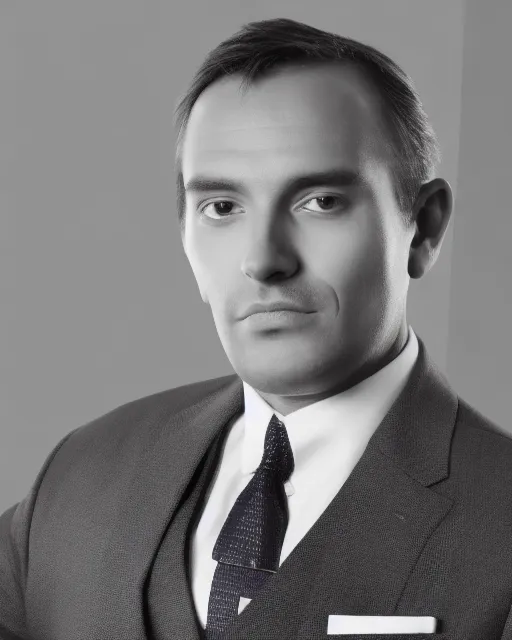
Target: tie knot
[277,452]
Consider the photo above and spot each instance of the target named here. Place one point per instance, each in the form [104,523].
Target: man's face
[338,248]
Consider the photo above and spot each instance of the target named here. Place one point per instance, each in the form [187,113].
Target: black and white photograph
[257,299]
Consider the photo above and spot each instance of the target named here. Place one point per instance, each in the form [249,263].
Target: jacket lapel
[178,444]
[357,557]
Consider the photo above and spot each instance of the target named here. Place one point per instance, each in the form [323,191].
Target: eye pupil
[220,206]
[323,198]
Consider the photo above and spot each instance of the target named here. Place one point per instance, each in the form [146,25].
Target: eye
[224,208]
[220,207]
[327,203]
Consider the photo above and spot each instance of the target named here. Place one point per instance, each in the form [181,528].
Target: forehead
[298,118]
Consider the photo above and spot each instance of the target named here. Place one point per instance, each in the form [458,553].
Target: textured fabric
[167,607]
[327,453]
[421,527]
[249,544]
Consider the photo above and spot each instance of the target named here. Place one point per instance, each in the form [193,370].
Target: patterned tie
[249,545]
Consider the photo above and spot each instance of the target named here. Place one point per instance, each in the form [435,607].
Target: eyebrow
[336,177]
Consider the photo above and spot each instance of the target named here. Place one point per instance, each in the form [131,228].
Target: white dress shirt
[327,438]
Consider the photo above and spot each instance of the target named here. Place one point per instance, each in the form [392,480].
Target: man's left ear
[431,214]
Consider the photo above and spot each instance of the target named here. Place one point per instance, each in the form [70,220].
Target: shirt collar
[352,415]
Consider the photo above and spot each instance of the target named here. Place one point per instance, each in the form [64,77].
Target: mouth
[284,317]
[276,311]
[257,309]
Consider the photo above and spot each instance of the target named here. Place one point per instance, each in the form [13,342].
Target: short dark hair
[262,46]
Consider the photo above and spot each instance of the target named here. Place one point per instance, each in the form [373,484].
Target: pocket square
[348,625]
[242,603]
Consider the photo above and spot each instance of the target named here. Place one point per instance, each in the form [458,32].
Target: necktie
[249,544]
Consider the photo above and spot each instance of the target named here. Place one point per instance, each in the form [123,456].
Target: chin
[276,376]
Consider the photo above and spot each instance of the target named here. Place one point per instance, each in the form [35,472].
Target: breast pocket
[507,629]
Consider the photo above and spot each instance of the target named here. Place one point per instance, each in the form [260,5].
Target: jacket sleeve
[14,557]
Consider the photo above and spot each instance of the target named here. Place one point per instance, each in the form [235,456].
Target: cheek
[200,261]
[213,266]
[352,262]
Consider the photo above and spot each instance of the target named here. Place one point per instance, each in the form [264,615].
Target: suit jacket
[423,525]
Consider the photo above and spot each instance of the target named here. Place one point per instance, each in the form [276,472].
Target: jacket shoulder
[177,398]
[485,450]
[471,418]
[135,415]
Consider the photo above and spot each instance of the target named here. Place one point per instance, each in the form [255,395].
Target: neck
[288,404]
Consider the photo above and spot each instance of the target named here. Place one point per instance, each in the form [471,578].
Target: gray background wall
[100,305]
[479,357]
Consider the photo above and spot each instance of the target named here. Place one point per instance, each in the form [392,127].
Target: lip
[272,306]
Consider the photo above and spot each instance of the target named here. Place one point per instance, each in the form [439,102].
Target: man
[335,485]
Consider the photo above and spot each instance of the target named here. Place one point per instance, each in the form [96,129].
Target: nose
[270,251]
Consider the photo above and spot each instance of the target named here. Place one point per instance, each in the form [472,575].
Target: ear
[431,213]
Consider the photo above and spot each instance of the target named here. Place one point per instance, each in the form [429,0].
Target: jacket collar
[417,431]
